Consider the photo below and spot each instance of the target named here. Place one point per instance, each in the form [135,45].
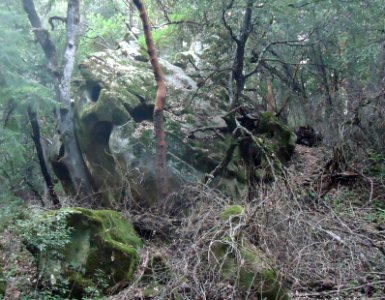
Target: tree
[72,160]
[32,116]
[161,151]
[20,91]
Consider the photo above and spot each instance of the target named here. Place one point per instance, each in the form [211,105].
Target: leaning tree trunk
[160,136]
[72,160]
[32,116]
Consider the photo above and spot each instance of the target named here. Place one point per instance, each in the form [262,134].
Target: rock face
[113,111]
[101,251]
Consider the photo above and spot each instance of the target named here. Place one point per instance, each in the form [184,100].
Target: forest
[192,149]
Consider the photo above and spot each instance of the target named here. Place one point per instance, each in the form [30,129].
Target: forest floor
[323,231]
[325,238]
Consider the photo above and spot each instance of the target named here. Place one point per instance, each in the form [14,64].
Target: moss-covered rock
[245,267]
[3,284]
[115,94]
[113,122]
[233,211]
[102,251]
[240,262]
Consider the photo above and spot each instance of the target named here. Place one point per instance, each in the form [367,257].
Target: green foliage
[162,37]
[377,163]
[11,208]
[102,32]
[23,83]
[45,231]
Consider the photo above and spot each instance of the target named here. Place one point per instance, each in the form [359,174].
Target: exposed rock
[102,250]
[113,110]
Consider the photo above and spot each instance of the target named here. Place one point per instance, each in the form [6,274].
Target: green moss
[249,271]
[232,211]
[239,261]
[100,241]
[78,284]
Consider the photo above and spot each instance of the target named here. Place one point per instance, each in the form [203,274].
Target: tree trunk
[72,159]
[382,63]
[270,95]
[160,136]
[40,155]
[238,63]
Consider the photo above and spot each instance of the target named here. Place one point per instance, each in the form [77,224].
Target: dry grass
[321,248]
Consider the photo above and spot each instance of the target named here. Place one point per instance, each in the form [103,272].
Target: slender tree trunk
[320,62]
[382,63]
[160,136]
[72,159]
[238,63]
[270,95]
[40,155]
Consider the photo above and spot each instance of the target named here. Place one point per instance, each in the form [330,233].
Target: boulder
[245,267]
[240,262]
[113,122]
[100,251]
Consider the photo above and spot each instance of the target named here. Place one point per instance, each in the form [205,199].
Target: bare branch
[228,27]
[56,18]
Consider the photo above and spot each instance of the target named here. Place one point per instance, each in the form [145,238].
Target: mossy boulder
[101,251]
[3,284]
[245,267]
[113,111]
[240,262]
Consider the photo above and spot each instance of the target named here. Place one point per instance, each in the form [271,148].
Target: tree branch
[188,22]
[56,18]
[42,35]
[228,27]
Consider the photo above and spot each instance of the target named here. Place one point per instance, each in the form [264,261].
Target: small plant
[94,292]
[377,163]
[45,231]
[10,210]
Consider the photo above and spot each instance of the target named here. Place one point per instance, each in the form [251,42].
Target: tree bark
[40,155]
[270,95]
[72,159]
[382,63]
[160,136]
